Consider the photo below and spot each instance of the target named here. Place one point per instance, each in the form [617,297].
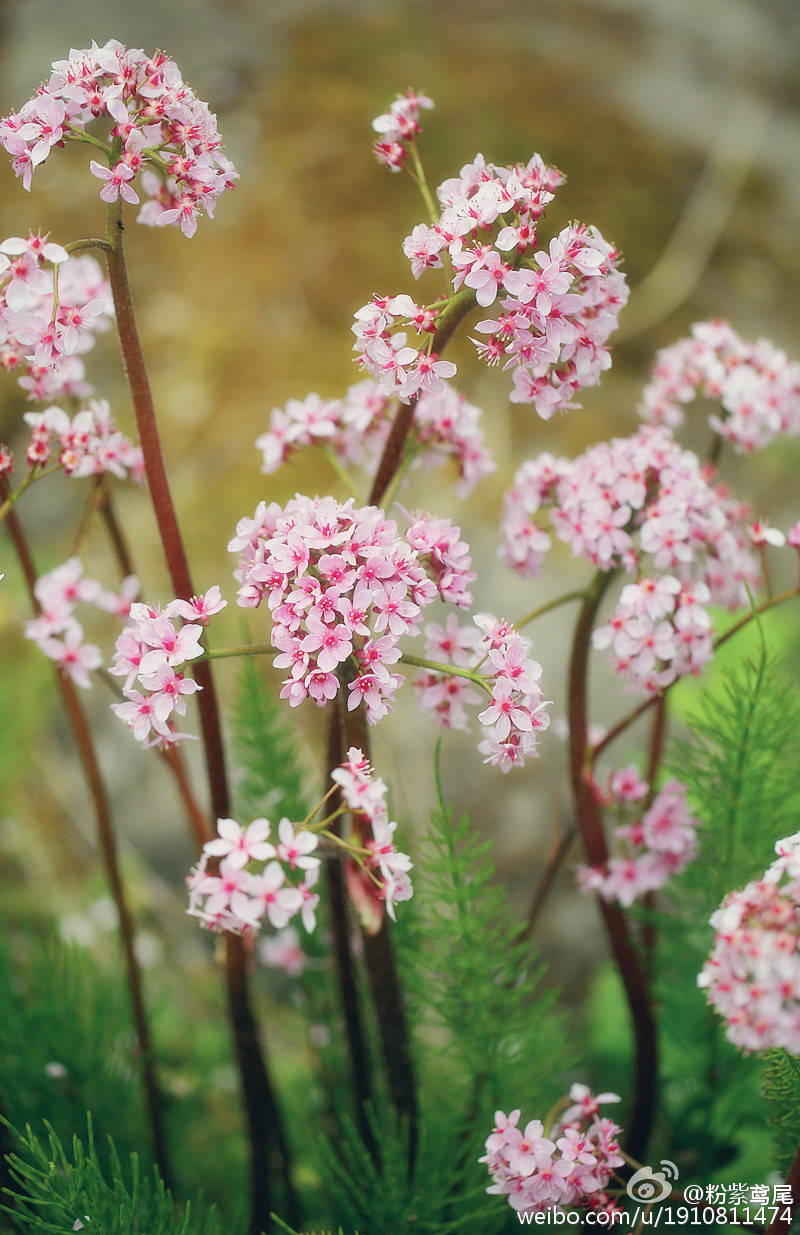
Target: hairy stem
[108,847]
[591,825]
[268,1149]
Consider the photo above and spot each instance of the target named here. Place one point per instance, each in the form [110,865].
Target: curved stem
[566,599]
[267,1143]
[108,847]
[646,704]
[455,671]
[591,825]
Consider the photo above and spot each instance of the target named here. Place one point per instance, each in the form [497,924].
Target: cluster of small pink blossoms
[502,664]
[566,1167]
[57,632]
[557,305]
[88,443]
[343,586]
[152,650]
[398,127]
[659,845]
[646,506]
[237,896]
[356,427]
[756,384]
[384,872]
[158,125]
[43,338]
[752,977]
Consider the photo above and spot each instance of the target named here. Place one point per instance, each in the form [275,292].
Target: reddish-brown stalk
[108,847]
[780,1225]
[379,955]
[268,1146]
[590,821]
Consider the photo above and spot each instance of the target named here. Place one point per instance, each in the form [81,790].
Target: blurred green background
[677,125]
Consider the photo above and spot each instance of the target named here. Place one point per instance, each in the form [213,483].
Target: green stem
[566,599]
[455,671]
[242,649]
[84,246]
[30,479]
[340,470]
[421,179]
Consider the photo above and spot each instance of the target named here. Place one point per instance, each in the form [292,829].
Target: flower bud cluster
[445,426]
[42,338]
[159,126]
[397,128]
[343,588]
[88,444]
[57,632]
[645,506]
[151,652]
[752,977]
[567,1166]
[756,385]
[659,845]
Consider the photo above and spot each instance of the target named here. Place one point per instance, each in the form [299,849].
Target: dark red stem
[345,964]
[779,1225]
[590,821]
[268,1147]
[108,846]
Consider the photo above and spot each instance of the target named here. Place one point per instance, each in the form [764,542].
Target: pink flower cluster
[397,128]
[343,586]
[159,125]
[386,867]
[42,340]
[756,384]
[383,351]
[445,426]
[56,630]
[644,505]
[235,896]
[89,443]
[517,711]
[557,305]
[152,650]
[752,977]
[567,1166]
[660,844]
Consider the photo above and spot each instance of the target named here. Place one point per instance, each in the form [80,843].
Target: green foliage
[782,1093]
[741,769]
[51,1192]
[477,986]
[739,764]
[272,779]
[487,1035]
[60,1007]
